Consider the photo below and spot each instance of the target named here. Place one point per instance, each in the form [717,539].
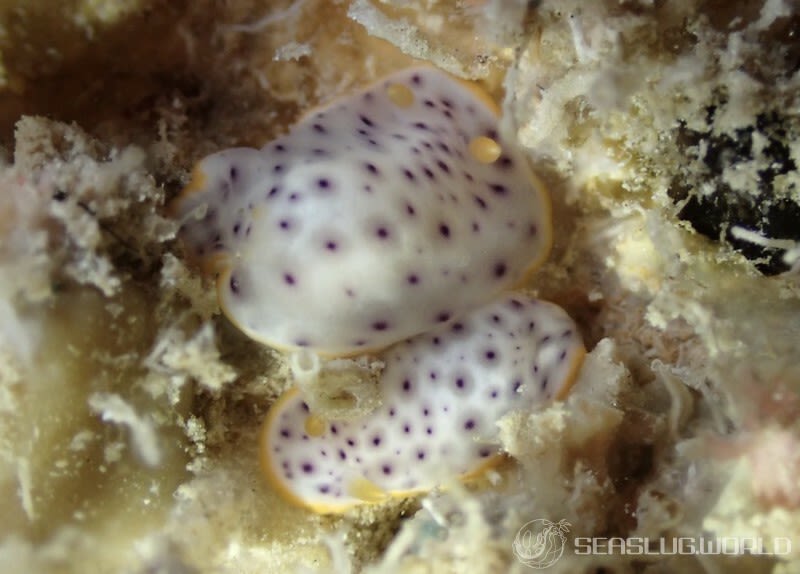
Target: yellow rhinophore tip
[400,95]
[314,425]
[366,490]
[484,149]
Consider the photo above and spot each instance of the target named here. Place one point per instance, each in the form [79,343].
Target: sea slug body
[377,217]
[442,392]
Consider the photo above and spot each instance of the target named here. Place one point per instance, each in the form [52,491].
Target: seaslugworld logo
[540,543]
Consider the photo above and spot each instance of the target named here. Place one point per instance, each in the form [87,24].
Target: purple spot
[406,385]
[545,380]
[496,319]
[285,224]
[319,128]
[289,279]
[323,183]
[498,188]
[382,232]
[392,412]
[307,467]
[366,121]
[446,103]
[286,433]
[351,442]
[304,407]
[376,440]
[432,375]
[516,304]
[280,148]
[331,245]
[342,455]
[416,80]
[484,452]
[380,325]
[429,173]
[421,125]
[429,430]
[412,279]
[278,168]
[443,317]
[444,147]
[460,382]
[294,196]
[469,425]
[334,429]
[480,201]
[436,341]
[319,152]
[273,191]
[409,174]
[372,168]
[562,356]
[426,412]
[490,355]
[420,455]
[302,342]
[406,428]
[324,489]
[504,162]
[516,387]
[458,327]
[532,230]
[234,283]
[234,173]
[444,230]
[567,333]
[387,469]
[493,394]
[443,166]
[500,270]
[429,104]
[410,210]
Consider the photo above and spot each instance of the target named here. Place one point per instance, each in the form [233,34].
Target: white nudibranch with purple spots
[377,217]
[442,393]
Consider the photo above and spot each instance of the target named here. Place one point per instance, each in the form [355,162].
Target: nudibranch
[442,392]
[377,217]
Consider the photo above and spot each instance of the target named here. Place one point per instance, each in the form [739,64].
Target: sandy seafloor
[667,133]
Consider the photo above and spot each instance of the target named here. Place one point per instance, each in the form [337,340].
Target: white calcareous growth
[374,219]
[442,393]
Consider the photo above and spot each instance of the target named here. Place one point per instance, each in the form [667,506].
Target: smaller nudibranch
[442,393]
[377,217]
